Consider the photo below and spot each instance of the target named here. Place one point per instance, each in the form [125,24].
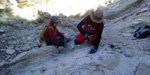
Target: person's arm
[79,26]
[98,38]
[96,41]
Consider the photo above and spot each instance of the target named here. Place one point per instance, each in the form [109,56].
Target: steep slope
[119,52]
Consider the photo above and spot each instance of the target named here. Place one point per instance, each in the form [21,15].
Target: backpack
[142,32]
[42,37]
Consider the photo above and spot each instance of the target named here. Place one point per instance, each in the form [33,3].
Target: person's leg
[61,37]
[48,42]
[61,41]
[79,39]
[77,42]
[57,43]
[64,39]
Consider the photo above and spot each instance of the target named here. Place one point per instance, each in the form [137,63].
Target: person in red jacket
[52,35]
[91,25]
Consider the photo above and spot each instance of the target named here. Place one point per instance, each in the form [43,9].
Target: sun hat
[54,19]
[96,15]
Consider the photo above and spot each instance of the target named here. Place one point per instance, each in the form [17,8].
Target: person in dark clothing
[52,35]
[91,25]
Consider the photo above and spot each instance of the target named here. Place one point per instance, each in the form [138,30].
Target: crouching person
[52,36]
[92,26]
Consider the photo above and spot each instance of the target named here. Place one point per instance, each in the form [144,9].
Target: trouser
[60,42]
[80,38]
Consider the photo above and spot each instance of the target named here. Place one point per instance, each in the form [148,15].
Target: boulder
[10,51]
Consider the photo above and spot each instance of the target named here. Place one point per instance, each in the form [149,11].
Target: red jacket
[52,34]
[91,27]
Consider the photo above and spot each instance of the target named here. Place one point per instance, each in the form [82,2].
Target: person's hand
[86,35]
[93,50]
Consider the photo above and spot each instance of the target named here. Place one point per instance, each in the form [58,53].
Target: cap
[54,19]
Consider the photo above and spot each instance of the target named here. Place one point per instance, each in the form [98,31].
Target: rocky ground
[119,53]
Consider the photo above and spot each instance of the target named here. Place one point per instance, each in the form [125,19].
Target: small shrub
[22,5]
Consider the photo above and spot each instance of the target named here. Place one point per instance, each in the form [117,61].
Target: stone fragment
[10,51]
